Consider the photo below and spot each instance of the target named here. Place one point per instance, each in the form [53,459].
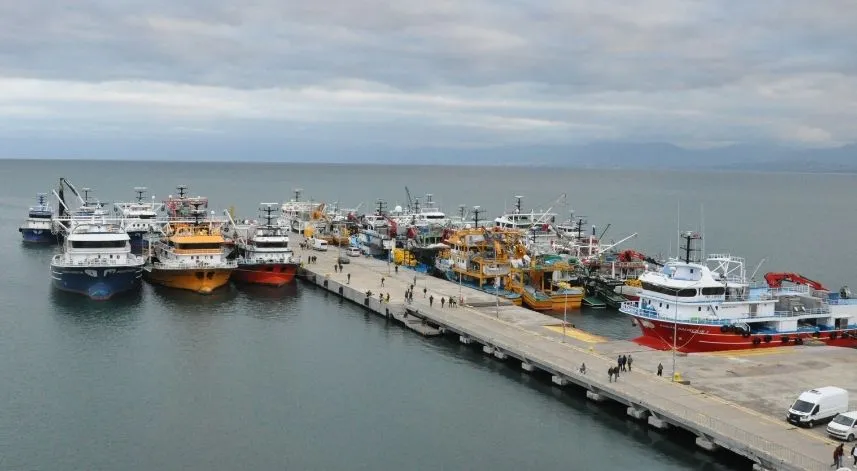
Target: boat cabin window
[98,244]
[146,216]
[267,245]
[40,216]
[714,291]
[198,245]
[682,293]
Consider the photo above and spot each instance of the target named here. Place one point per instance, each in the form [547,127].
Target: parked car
[353,252]
[342,260]
[843,426]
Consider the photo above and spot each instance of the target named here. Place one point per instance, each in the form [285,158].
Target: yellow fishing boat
[546,283]
[478,258]
[190,256]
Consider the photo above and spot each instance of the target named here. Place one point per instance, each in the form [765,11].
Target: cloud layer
[445,73]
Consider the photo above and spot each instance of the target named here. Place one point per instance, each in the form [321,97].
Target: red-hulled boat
[695,307]
[264,255]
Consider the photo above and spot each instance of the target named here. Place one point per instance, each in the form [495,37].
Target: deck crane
[775,280]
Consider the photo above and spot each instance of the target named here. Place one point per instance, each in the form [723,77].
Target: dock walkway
[510,332]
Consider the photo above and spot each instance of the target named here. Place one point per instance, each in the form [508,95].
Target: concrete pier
[718,413]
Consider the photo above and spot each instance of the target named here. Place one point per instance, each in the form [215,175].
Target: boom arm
[775,280]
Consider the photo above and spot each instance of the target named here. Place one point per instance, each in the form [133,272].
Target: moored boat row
[526,258]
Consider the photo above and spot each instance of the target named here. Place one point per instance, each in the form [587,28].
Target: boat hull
[98,283]
[536,304]
[561,301]
[38,236]
[270,274]
[202,280]
[692,338]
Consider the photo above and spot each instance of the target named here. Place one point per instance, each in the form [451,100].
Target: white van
[319,244]
[353,251]
[818,405]
[843,426]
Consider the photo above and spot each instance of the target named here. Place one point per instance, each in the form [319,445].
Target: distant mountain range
[624,155]
[665,156]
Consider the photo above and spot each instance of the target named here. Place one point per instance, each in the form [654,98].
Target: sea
[251,378]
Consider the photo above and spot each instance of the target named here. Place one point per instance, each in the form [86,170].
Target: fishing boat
[478,258]
[139,218]
[96,261]
[691,306]
[190,255]
[182,206]
[376,236]
[298,215]
[38,229]
[263,255]
[545,283]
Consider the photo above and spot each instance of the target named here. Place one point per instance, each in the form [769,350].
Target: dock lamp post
[675,323]
[564,315]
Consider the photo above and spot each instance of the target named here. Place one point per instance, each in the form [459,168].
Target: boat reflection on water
[123,306]
[268,292]
[187,299]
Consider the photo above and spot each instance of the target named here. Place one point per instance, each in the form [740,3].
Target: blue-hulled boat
[96,261]
[140,218]
[37,229]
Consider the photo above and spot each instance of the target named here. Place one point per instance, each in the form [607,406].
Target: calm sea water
[261,379]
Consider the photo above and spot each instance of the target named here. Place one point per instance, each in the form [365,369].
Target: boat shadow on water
[185,298]
[123,306]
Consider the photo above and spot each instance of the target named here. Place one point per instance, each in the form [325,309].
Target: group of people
[452,302]
[311,259]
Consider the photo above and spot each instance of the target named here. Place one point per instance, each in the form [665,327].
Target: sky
[284,79]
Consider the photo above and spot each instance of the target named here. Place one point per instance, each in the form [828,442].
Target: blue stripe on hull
[98,283]
[38,236]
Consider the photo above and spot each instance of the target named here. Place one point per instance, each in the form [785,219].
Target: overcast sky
[422,73]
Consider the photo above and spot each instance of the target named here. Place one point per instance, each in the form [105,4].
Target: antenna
[518,199]
[690,251]
[182,190]
[141,191]
[382,207]
[476,212]
[702,226]
[298,194]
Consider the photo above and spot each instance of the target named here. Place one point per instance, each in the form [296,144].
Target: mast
[518,199]
[182,191]
[476,212]
[382,207]
[298,194]
[267,210]
[691,252]
[141,191]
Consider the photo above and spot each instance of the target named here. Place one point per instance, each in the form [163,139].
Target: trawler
[139,218]
[264,255]
[692,306]
[37,229]
[190,255]
[96,260]
[478,258]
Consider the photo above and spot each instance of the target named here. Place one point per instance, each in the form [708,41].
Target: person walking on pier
[335,268]
[348,282]
[837,456]
[610,372]
[854,454]
[431,300]
[442,301]
[388,298]
[582,368]
[425,290]
[396,268]
[660,369]
[382,281]
[618,365]
[630,362]
[451,302]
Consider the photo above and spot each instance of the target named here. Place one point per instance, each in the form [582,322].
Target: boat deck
[735,400]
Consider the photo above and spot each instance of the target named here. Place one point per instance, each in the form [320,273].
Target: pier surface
[734,400]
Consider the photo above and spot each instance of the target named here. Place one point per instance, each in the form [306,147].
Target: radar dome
[397,209]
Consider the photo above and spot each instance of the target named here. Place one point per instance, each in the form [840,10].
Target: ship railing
[197,251]
[783,457]
[195,265]
[633,308]
[61,260]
